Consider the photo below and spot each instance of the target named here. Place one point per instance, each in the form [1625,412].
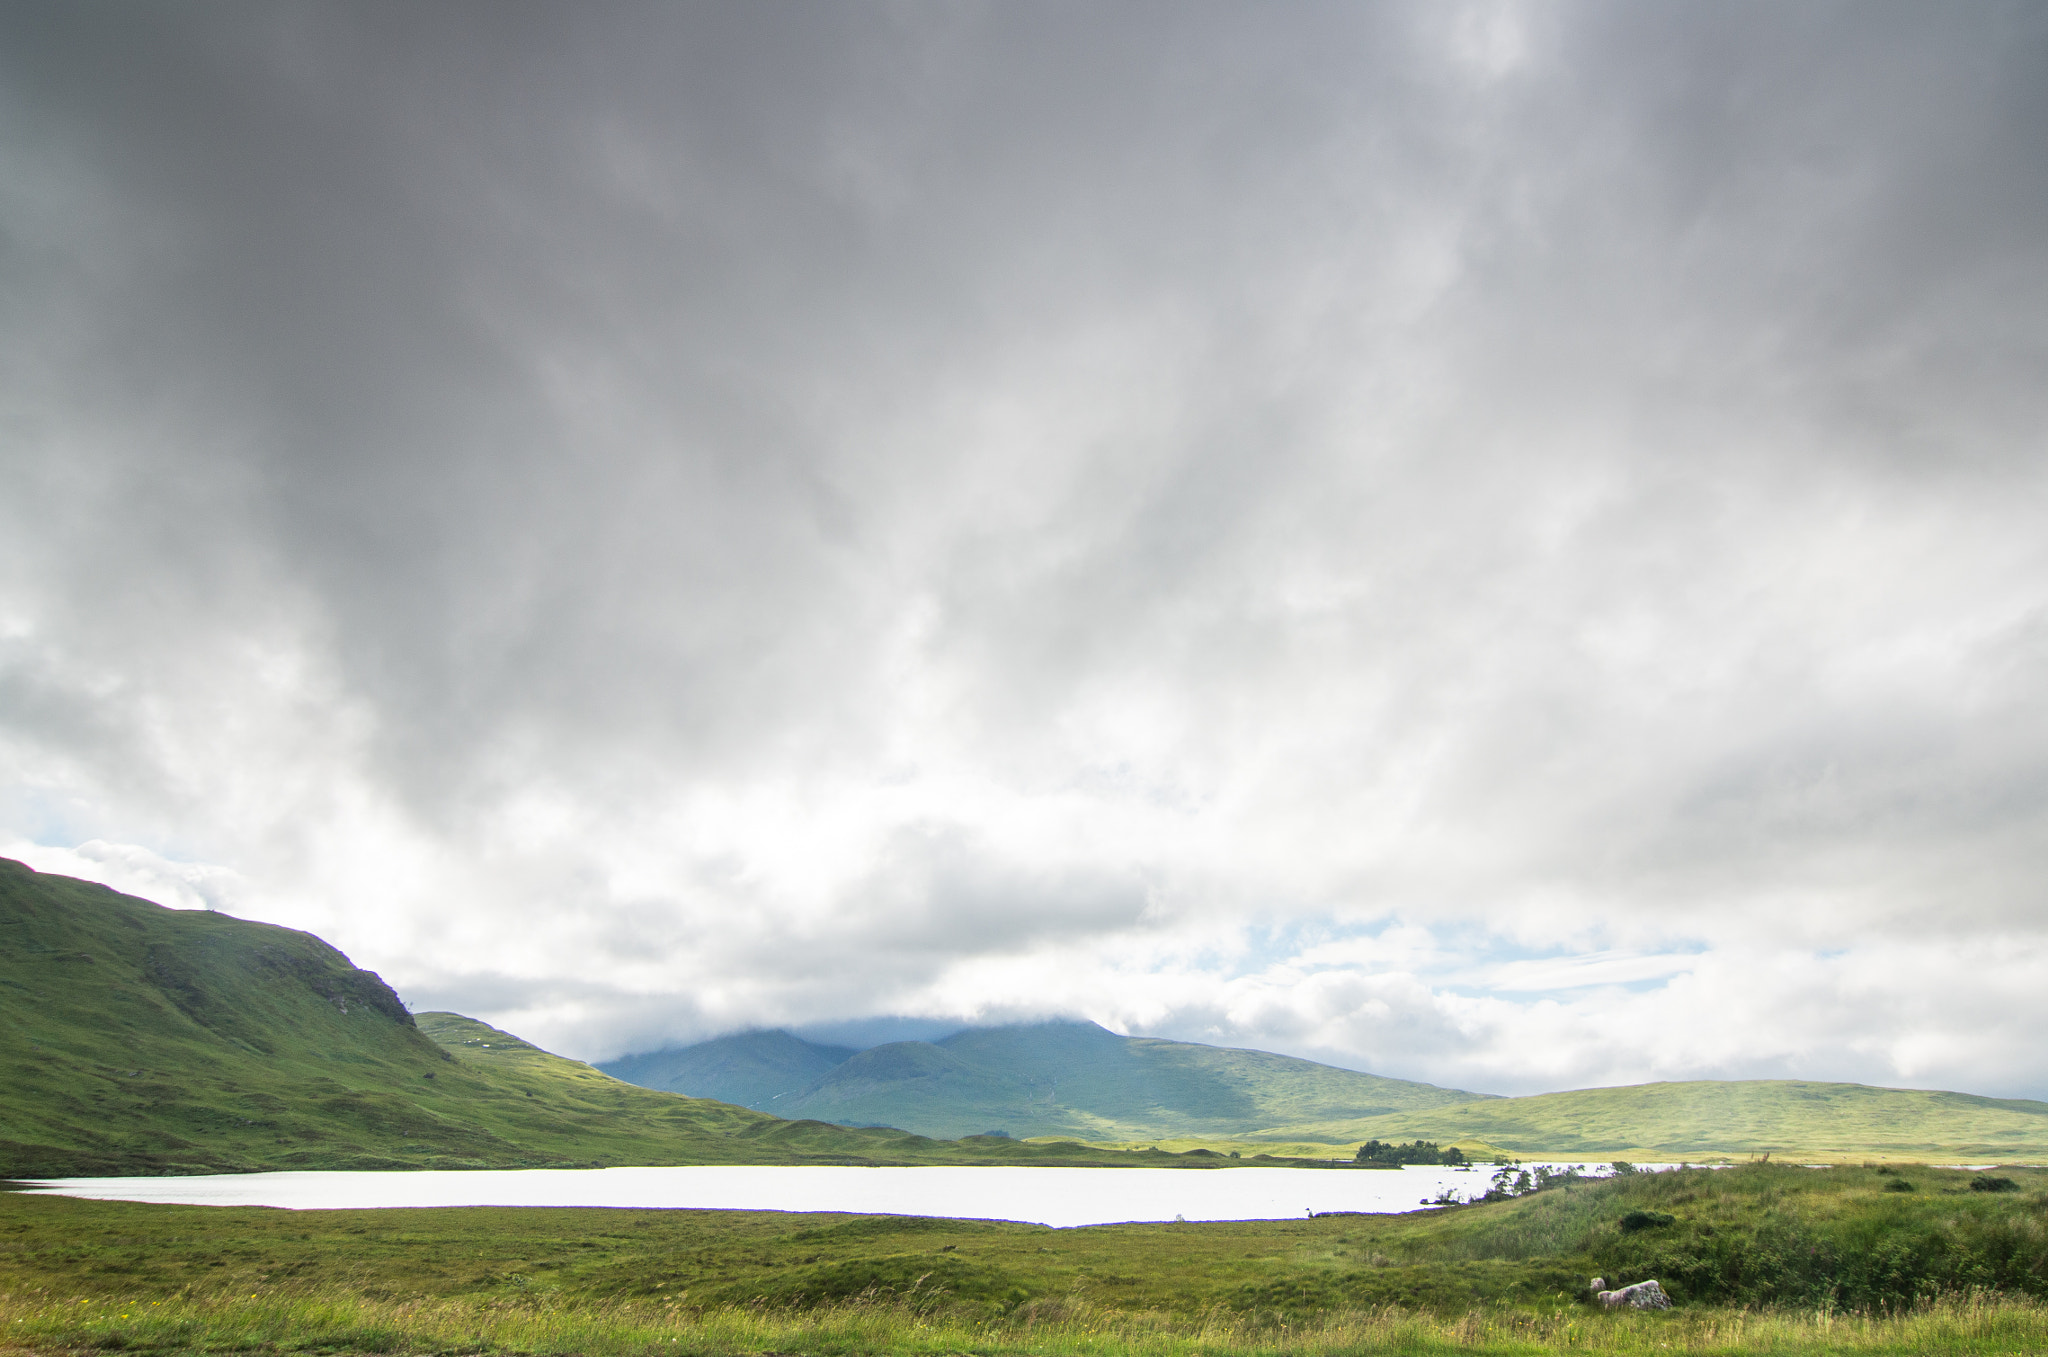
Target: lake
[1046,1196]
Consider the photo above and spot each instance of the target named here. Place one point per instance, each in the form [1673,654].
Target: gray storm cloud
[637,520]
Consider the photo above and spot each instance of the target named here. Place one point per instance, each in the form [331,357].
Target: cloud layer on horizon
[1493,543]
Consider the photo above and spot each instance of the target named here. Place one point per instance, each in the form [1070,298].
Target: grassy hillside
[1507,1276]
[1078,1080]
[1695,1120]
[139,1039]
[1043,1079]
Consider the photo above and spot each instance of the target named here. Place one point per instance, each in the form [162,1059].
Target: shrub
[1993,1184]
[1645,1220]
[1765,1235]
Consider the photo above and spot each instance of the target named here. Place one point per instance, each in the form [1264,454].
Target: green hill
[1704,1118]
[752,1069]
[1075,1079]
[136,1039]
[1040,1079]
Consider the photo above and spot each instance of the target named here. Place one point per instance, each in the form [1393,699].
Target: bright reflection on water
[1048,1196]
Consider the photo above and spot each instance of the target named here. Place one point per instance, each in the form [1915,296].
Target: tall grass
[345,1323]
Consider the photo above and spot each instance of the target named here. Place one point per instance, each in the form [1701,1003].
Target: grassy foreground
[1762,1258]
[349,1324]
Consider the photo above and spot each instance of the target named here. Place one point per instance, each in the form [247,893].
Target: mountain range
[1072,1079]
[1077,1079]
[139,1039]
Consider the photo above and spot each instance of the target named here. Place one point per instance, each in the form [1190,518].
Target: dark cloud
[720,514]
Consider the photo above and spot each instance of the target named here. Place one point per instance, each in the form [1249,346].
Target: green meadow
[1703,1119]
[1761,1258]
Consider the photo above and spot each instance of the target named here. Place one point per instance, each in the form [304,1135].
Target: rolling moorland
[1700,1120]
[1076,1079]
[1758,1258]
[136,1039]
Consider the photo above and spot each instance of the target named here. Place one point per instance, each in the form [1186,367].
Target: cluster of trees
[1415,1152]
[1512,1180]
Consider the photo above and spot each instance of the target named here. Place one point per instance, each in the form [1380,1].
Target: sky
[1493,543]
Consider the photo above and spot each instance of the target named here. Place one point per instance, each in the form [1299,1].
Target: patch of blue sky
[1457,960]
[1313,944]
[1266,946]
[1537,975]
[1464,961]
[52,819]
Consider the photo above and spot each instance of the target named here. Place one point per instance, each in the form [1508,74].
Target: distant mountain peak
[1050,1076]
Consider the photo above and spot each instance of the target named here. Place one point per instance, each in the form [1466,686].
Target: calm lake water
[1047,1196]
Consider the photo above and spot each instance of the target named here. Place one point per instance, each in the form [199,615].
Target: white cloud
[1429,536]
[1578,972]
[135,870]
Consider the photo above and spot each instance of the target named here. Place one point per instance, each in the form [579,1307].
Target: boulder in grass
[1641,1296]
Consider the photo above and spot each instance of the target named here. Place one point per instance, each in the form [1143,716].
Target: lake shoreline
[1054,1196]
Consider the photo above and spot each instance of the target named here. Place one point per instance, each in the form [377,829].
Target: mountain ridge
[139,1039]
[1701,1117]
[1053,1078]
[750,1069]
[136,1039]
[949,1084]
